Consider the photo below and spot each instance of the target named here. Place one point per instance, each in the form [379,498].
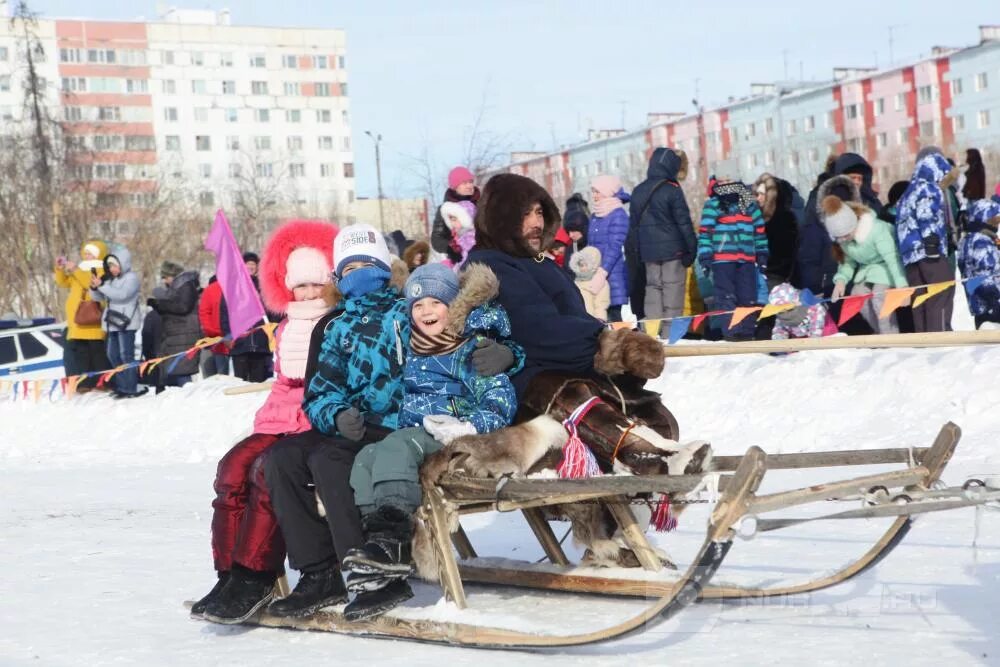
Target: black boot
[198,608]
[375,603]
[246,593]
[314,591]
[363,582]
[387,551]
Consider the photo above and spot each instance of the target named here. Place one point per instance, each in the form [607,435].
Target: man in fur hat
[570,355]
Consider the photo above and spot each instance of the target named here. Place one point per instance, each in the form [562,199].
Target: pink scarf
[293,349]
[605,206]
[607,186]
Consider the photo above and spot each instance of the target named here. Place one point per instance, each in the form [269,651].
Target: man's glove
[491,357]
[445,428]
[350,424]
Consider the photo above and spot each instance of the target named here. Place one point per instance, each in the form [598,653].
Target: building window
[136,86]
[956,87]
[206,198]
[137,142]
[341,62]
[768,127]
[258,87]
[348,170]
[927,128]
[854,145]
[345,117]
[294,144]
[262,143]
[982,81]
[810,123]
[752,161]
[327,170]
[752,129]
[345,145]
[879,107]
[882,140]
[293,115]
[101,56]
[323,116]
[234,170]
[168,57]
[793,127]
[232,115]
[900,101]
[173,142]
[197,58]
[5,54]
[793,159]
[289,61]
[325,143]
[262,115]
[851,111]
[343,89]
[65,55]
[958,123]
[320,62]
[109,113]
[902,134]
[258,60]
[232,143]
[925,94]
[205,170]
[322,90]
[198,87]
[296,170]
[769,158]
[201,114]
[226,59]
[169,87]
[265,170]
[814,155]
[291,88]
[203,142]
[983,119]
[70,84]
[228,87]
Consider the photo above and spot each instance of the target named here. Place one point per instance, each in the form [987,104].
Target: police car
[31,349]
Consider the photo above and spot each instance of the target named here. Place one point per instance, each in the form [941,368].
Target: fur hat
[170,269]
[417,248]
[459,175]
[506,198]
[585,262]
[839,218]
[297,252]
[464,212]
[431,280]
[360,243]
[841,187]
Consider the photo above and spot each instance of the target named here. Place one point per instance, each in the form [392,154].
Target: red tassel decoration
[578,461]
[663,520]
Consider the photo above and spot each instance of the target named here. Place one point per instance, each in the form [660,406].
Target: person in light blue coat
[118,288]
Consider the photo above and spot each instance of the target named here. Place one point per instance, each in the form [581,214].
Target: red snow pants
[244,528]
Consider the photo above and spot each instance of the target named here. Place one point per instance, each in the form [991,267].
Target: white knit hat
[839,219]
[304,266]
[360,243]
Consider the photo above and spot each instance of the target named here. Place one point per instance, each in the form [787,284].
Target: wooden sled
[738,504]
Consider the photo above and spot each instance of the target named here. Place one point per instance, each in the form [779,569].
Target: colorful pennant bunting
[652,327]
[741,314]
[936,288]
[678,327]
[894,299]
[851,306]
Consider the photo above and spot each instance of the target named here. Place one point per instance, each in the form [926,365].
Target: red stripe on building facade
[944,100]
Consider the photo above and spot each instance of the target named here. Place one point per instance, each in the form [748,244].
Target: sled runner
[900,493]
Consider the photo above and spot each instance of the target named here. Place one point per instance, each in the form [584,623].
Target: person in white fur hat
[865,248]
[459,217]
[247,547]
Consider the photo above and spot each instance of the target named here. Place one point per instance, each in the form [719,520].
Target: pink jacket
[282,413]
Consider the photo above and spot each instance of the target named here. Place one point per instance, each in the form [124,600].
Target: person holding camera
[84,351]
[118,288]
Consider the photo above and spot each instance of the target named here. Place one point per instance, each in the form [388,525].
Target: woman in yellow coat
[84,351]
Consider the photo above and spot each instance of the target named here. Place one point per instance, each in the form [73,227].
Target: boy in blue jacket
[445,396]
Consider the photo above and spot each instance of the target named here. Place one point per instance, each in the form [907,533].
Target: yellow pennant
[153,363]
[773,309]
[269,330]
[895,298]
[652,327]
[936,288]
[4,386]
[741,314]
[73,383]
[36,390]
[207,342]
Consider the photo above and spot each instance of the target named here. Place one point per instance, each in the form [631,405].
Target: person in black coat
[774,198]
[576,223]
[461,187]
[858,170]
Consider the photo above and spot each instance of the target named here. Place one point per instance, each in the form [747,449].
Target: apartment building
[950,98]
[224,111]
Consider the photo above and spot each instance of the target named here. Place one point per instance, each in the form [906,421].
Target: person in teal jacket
[868,257]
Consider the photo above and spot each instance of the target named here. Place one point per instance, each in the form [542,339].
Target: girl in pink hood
[246,543]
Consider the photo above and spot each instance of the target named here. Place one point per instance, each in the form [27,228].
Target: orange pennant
[895,298]
[622,325]
[936,288]
[36,390]
[741,314]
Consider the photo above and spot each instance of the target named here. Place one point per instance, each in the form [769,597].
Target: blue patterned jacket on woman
[979,256]
[921,212]
[447,384]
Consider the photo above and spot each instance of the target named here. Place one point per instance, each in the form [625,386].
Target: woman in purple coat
[607,231]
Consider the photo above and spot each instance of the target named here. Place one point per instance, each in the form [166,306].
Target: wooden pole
[248,389]
[933,339]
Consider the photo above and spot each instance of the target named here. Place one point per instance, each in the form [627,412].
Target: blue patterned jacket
[979,256]
[361,361]
[447,384]
[921,210]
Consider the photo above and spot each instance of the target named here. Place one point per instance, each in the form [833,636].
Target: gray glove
[350,424]
[491,357]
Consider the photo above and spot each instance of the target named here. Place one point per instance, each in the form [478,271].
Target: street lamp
[377,138]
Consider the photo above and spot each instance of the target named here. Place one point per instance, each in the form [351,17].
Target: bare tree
[259,195]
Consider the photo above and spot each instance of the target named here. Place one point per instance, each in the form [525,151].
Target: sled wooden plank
[451,582]
[777,501]
[849,457]
[543,532]
[462,543]
[560,491]
[634,536]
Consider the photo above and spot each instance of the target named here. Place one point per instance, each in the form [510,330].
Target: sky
[537,75]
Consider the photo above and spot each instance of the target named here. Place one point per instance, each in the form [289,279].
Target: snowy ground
[106,509]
